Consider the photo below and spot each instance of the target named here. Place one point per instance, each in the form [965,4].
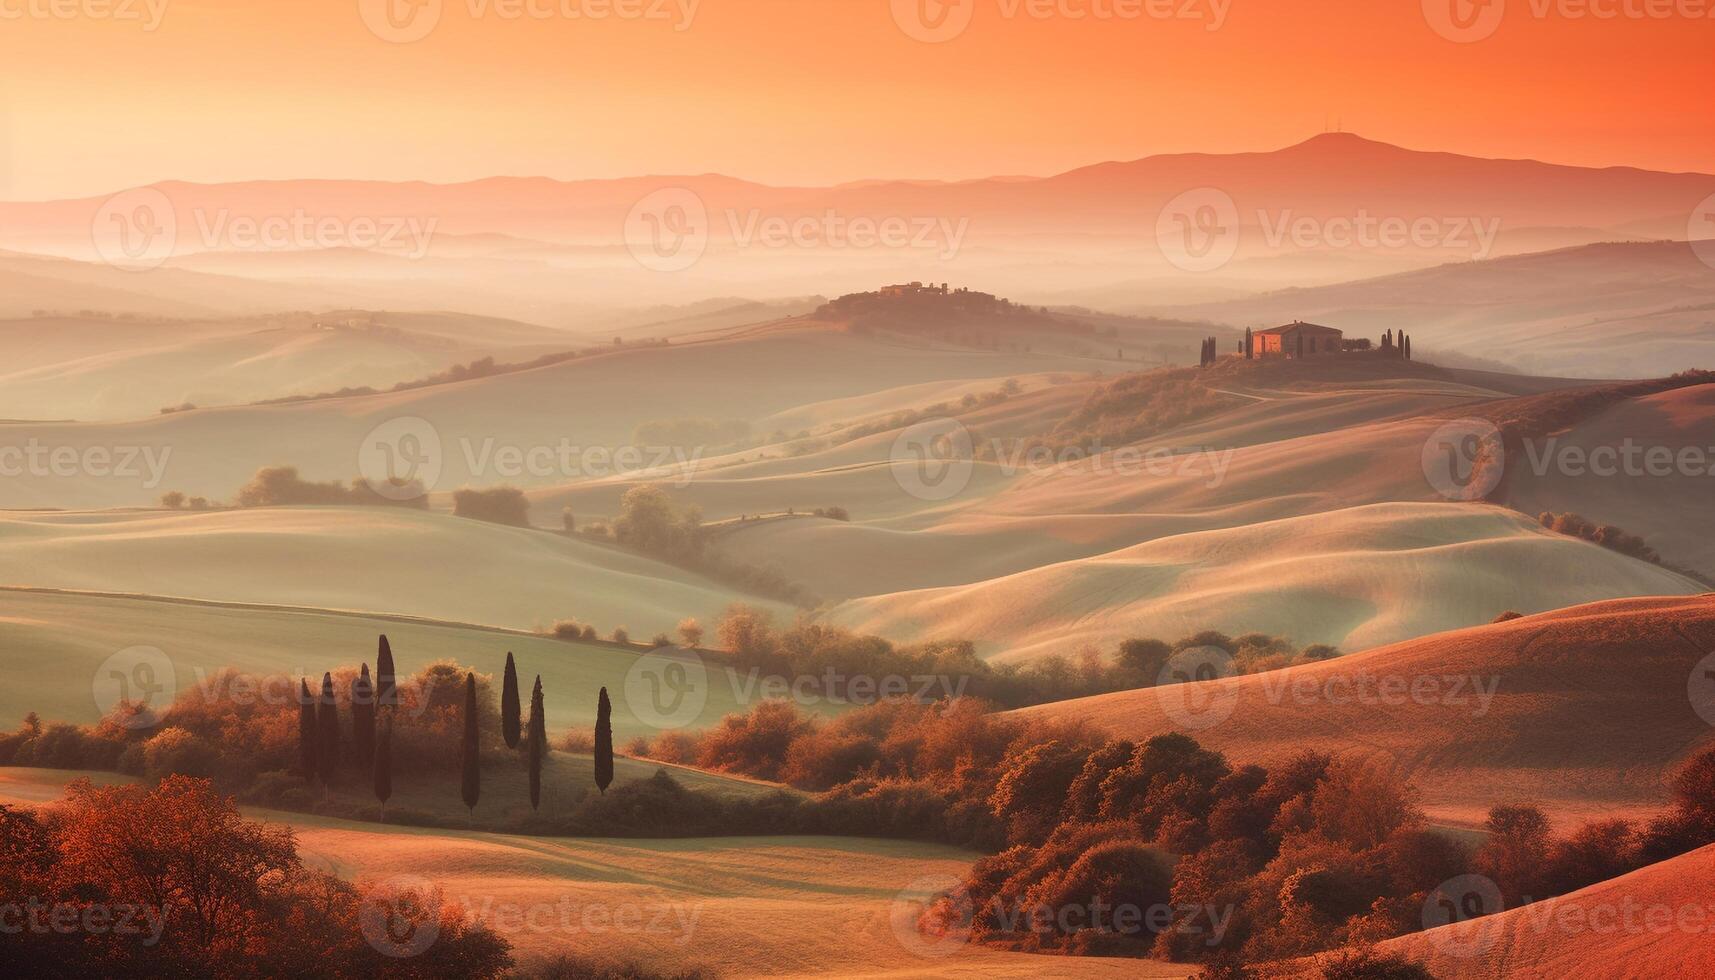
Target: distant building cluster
[1300,339]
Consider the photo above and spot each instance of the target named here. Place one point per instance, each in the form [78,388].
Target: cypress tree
[307,753]
[472,783]
[1407,347]
[363,718]
[537,744]
[509,729]
[385,695]
[327,732]
[384,761]
[603,742]
[1250,344]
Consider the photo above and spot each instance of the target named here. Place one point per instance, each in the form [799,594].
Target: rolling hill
[1615,309]
[110,369]
[1352,578]
[1583,710]
[58,642]
[1650,923]
[365,559]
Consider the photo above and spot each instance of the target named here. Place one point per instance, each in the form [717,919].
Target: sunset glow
[820,91]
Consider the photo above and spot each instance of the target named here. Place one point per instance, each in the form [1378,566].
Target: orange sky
[790,91]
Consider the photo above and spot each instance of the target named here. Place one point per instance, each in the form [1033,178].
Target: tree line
[374,705]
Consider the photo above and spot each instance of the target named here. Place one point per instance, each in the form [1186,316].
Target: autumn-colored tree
[180,848]
[509,721]
[363,719]
[327,732]
[691,632]
[603,742]
[1032,789]
[205,893]
[471,784]
[1515,854]
[308,752]
[386,695]
[537,744]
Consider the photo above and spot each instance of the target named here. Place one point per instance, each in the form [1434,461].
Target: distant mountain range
[1334,174]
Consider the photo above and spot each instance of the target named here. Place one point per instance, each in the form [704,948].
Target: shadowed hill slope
[1591,709]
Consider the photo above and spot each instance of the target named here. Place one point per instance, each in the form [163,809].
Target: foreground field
[1585,710]
[55,645]
[767,906]
[1655,922]
[368,559]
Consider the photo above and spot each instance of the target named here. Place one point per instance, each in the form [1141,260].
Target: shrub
[497,505]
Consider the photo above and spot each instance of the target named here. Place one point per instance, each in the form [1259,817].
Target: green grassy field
[55,645]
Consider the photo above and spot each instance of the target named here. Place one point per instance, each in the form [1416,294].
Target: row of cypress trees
[373,705]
